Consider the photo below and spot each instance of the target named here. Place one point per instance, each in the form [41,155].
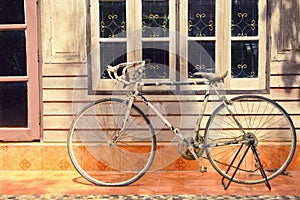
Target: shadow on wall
[292,80]
[290,20]
[287,38]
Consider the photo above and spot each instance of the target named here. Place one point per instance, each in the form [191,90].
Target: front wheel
[261,119]
[107,152]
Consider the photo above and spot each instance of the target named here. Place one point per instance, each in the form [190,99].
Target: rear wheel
[266,123]
[103,153]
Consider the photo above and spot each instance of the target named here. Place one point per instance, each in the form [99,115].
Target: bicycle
[248,139]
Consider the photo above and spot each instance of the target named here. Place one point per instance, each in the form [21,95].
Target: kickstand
[262,171]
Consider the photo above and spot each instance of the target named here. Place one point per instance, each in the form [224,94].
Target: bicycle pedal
[203,169]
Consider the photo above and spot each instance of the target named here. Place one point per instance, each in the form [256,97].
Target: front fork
[132,97]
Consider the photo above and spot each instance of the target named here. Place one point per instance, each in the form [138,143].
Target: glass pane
[13,53]
[201,57]
[155,18]
[158,52]
[13,105]
[112,53]
[244,20]
[244,59]
[201,19]
[12,12]
[112,18]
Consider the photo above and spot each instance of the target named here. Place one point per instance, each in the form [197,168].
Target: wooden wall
[284,54]
[64,72]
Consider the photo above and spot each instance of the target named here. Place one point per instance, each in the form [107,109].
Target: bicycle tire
[99,160]
[267,122]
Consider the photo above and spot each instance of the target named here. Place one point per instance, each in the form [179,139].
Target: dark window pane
[201,19]
[155,18]
[201,57]
[112,18]
[244,59]
[13,53]
[112,53]
[158,52]
[12,12]
[244,18]
[13,105]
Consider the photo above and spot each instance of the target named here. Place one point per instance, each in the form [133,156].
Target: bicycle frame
[136,93]
[211,86]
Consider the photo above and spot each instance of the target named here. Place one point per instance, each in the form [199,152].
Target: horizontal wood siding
[285,86]
[65,93]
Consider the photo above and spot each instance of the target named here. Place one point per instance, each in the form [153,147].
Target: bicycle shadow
[82,181]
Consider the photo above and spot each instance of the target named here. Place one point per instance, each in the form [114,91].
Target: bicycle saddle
[210,76]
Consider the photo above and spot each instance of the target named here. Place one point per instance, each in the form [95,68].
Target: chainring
[185,152]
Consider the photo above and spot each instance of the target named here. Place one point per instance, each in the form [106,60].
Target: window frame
[134,41]
[178,61]
[223,41]
[32,132]
[260,83]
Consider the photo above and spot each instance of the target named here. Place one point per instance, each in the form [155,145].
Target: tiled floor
[26,174]
[154,183]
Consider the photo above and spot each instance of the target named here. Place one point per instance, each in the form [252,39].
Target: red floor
[154,183]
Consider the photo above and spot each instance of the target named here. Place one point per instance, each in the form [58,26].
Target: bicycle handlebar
[114,71]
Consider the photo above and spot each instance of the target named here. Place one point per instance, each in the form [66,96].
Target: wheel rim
[102,163]
[266,122]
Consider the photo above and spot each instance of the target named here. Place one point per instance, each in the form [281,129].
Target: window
[248,44]
[181,37]
[19,108]
[226,35]
[119,36]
